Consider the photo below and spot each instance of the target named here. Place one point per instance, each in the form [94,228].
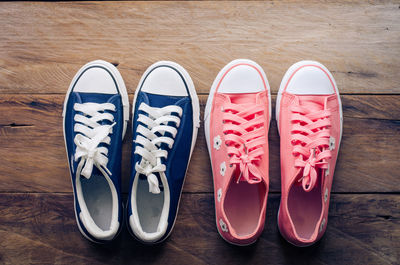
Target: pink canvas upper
[310,135]
[239,155]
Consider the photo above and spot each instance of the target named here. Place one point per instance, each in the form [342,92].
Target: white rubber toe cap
[96,80]
[164,80]
[242,79]
[310,80]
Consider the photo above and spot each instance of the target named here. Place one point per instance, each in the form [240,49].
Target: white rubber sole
[196,125]
[284,81]
[120,82]
[214,87]
[208,110]
[125,103]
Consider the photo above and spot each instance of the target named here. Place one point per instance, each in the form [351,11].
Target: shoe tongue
[243,99]
[159,101]
[97,98]
[313,103]
[96,176]
[94,97]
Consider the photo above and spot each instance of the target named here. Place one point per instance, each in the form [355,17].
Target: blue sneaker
[96,111]
[165,123]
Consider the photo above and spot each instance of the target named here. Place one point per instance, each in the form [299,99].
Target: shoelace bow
[90,134]
[310,137]
[151,135]
[244,135]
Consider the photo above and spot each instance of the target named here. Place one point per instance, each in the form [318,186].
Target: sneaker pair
[165,124]
[236,121]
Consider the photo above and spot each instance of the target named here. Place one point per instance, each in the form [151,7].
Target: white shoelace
[90,134]
[151,136]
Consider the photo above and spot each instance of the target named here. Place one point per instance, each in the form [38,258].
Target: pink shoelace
[310,137]
[245,136]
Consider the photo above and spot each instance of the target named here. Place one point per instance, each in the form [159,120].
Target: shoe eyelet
[326,195]
[322,225]
[327,171]
[222,168]
[217,142]
[332,143]
[219,194]
[223,226]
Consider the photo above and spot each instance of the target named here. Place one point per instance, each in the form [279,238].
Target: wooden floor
[42,45]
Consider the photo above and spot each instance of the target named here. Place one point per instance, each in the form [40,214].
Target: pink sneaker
[309,116]
[236,124]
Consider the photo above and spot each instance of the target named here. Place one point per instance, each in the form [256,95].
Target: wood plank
[41,229]
[33,153]
[42,45]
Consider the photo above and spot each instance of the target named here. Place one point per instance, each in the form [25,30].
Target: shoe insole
[243,204]
[97,195]
[305,209]
[149,206]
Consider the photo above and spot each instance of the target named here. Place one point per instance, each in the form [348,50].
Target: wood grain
[34,160]
[42,45]
[41,229]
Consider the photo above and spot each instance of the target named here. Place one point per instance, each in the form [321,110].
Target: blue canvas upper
[114,148]
[178,156]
